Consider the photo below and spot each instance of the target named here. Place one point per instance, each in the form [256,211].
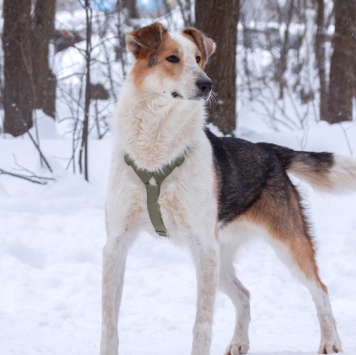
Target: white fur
[343,174]
[185,85]
[155,128]
[341,177]
[329,336]
[152,126]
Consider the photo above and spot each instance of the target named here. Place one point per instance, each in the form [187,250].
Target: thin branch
[41,180]
[40,152]
[343,129]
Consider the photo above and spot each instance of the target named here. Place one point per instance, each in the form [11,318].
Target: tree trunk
[282,63]
[83,153]
[130,5]
[126,10]
[18,95]
[218,20]
[321,59]
[44,80]
[341,85]
[185,9]
[354,48]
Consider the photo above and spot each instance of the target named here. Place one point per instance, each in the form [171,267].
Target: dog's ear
[205,44]
[145,38]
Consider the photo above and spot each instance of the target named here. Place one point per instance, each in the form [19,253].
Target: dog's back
[245,170]
[211,200]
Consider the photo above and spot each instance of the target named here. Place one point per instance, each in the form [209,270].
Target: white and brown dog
[209,201]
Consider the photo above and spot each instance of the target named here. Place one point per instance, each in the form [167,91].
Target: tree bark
[321,60]
[18,95]
[84,153]
[130,5]
[282,63]
[218,20]
[185,9]
[354,48]
[44,80]
[341,85]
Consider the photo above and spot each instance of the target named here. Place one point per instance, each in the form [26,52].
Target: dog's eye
[173,59]
[198,59]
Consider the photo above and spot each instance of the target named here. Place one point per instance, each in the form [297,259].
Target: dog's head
[171,64]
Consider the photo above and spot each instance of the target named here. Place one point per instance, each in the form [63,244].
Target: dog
[171,176]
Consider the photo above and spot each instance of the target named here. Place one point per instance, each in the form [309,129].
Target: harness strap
[153,190]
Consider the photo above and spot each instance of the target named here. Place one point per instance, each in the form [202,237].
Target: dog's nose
[204,85]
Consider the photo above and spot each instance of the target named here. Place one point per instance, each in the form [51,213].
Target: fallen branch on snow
[32,178]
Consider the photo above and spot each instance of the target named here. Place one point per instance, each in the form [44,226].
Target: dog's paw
[237,348]
[330,347]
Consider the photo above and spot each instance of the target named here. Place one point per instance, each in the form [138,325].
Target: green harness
[153,190]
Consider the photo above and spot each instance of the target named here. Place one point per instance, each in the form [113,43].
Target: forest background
[283,72]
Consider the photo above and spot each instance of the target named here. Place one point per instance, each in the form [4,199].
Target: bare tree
[83,152]
[282,88]
[44,80]
[341,84]
[218,19]
[18,95]
[353,12]
[320,56]
[130,5]
[282,62]
[122,19]
[185,7]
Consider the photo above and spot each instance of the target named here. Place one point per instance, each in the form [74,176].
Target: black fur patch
[245,170]
[317,162]
[176,95]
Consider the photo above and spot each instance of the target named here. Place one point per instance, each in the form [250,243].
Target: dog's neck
[154,129]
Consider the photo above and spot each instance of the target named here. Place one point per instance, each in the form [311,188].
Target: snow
[51,237]
[50,264]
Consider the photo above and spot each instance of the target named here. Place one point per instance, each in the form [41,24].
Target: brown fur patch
[282,217]
[152,60]
[145,38]
[155,60]
[205,45]
[318,178]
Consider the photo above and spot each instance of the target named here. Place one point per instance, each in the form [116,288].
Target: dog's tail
[324,171]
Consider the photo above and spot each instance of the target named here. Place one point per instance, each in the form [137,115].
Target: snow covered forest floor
[50,265]
[51,236]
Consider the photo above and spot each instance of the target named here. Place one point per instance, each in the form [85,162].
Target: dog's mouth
[205,96]
[177,95]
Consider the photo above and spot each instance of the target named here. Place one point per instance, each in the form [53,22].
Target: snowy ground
[50,267]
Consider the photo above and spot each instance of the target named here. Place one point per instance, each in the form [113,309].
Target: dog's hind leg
[280,212]
[240,297]
[299,256]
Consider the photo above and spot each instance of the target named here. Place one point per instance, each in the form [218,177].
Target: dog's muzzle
[204,86]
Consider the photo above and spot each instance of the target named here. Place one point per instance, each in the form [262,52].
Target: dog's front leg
[207,265]
[114,262]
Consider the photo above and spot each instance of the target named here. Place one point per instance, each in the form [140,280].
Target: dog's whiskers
[212,99]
